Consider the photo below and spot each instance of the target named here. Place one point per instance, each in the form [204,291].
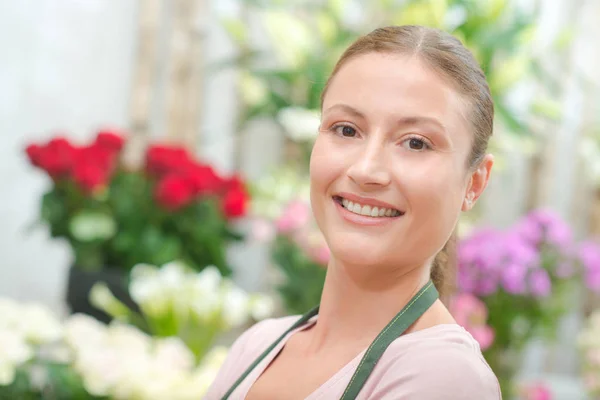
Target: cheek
[325,163]
[435,187]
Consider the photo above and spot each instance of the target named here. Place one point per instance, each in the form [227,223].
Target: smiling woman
[401,152]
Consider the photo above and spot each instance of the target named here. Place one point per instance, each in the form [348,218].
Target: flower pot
[81,282]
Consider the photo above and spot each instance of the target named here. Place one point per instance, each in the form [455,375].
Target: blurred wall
[65,65]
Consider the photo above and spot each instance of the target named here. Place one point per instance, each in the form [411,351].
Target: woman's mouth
[366,209]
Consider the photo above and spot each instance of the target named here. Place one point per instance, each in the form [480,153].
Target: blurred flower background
[156,198]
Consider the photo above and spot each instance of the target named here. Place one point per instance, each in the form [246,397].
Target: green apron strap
[298,323]
[405,318]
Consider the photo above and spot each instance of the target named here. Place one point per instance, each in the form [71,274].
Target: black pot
[80,283]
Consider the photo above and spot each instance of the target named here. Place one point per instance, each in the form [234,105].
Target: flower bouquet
[42,358]
[524,276]
[176,301]
[175,207]
[114,217]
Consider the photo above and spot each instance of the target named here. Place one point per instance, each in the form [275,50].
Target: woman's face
[389,172]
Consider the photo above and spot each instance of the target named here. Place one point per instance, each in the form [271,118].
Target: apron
[415,308]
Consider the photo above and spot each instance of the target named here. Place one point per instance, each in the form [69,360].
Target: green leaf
[66,384]
[20,388]
[54,212]
[88,226]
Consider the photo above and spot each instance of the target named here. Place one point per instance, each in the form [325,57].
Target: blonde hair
[446,55]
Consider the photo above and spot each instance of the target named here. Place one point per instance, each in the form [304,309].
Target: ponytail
[443,269]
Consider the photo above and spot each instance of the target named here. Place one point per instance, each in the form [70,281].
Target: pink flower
[296,215]
[471,313]
[535,391]
[313,244]
[262,230]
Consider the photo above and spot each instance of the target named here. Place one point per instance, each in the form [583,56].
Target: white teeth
[368,210]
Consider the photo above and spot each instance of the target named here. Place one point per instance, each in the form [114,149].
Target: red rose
[89,176]
[235,203]
[234,183]
[57,157]
[204,179]
[174,192]
[33,153]
[110,140]
[103,157]
[162,160]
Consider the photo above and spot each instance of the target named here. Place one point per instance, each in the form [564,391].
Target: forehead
[396,85]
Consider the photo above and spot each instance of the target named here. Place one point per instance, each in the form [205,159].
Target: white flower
[174,354]
[128,338]
[10,312]
[82,330]
[7,373]
[207,371]
[208,280]
[253,90]
[14,348]
[235,305]
[290,36]
[299,123]
[141,271]
[261,306]
[14,351]
[39,325]
[100,369]
[173,275]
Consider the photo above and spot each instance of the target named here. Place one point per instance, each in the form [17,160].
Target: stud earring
[469,200]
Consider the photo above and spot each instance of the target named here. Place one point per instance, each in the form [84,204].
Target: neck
[355,306]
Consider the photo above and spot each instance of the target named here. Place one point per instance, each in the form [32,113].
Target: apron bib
[415,308]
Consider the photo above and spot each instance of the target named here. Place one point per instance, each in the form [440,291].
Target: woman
[401,151]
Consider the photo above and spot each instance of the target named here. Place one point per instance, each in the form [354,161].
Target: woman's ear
[478,182]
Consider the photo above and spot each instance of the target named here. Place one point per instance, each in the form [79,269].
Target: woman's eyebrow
[346,108]
[417,120]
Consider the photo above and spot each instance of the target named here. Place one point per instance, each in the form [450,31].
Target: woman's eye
[416,144]
[345,130]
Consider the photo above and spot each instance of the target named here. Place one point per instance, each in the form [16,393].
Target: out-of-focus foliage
[307,38]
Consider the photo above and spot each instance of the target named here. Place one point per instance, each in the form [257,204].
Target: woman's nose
[370,169]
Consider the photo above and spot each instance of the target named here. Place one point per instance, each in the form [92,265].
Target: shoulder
[443,362]
[248,346]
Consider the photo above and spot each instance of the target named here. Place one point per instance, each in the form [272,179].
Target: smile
[367,210]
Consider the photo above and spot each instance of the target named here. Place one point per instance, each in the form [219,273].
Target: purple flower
[539,283]
[589,255]
[466,281]
[520,251]
[545,225]
[486,285]
[592,280]
[513,278]
[559,235]
[530,230]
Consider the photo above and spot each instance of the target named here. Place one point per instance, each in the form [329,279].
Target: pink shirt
[441,362]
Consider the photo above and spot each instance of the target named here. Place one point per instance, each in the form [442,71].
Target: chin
[349,252]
